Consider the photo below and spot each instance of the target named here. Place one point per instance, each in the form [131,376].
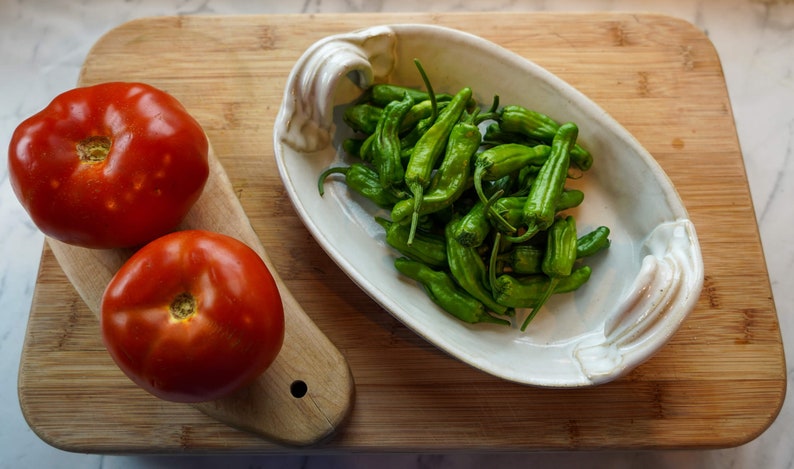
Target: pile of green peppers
[477,199]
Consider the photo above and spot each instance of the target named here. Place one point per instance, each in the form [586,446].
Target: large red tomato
[193,316]
[107,166]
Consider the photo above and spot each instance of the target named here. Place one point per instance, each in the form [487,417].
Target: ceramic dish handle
[671,271]
[306,114]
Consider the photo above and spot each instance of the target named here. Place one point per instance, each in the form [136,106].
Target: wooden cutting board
[719,382]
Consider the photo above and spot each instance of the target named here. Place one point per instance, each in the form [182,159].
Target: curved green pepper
[430,147]
[541,205]
[524,259]
[502,160]
[494,135]
[593,242]
[362,117]
[536,125]
[426,248]
[384,93]
[525,292]
[558,260]
[473,228]
[468,269]
[362,180]
[443,291]
[352,146]
[512,208]
[451,179]
[418,120]
[386,144]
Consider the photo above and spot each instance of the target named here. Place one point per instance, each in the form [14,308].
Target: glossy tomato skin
[234,335]
[155,169]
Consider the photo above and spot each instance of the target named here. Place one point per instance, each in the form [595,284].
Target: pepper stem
[532,230]
[491,114]
[418,192]
[328,172]
[430,92]
[541,301]
[493,260]
[499,218]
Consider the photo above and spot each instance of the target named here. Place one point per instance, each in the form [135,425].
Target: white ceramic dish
[641,289]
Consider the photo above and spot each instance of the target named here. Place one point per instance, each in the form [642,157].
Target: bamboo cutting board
[719,382]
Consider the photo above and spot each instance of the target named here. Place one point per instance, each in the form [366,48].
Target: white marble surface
[43,44]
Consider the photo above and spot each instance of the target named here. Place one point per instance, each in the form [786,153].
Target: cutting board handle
[307,392]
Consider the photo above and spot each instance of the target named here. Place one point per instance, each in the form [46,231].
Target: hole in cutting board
[298,388]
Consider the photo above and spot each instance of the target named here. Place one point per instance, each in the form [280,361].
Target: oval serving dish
[641,288]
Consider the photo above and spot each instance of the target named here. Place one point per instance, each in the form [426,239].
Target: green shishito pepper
[523,259]
[560,248]
[418,120]
[536,125]
[386,143]
[541,205]
[382,94]
[526,291]
[527,259]
[511,209]
[365,149]
[593,242]
[352,146]
[425,247]
[362,117]
[443,291]
[569,198]
[494,135]
[502,160]
[473,227]
[558,260]
[362,180]
[451,178]
[468,269]
[430,147]
[409,140]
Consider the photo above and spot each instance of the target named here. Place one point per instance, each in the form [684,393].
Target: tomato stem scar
[93,149]
[183,306]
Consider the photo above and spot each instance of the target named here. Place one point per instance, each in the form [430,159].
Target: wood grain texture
[719,382]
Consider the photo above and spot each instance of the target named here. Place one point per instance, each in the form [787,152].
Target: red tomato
[193,316]
[107,166]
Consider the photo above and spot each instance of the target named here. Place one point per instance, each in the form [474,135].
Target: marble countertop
[43,45]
